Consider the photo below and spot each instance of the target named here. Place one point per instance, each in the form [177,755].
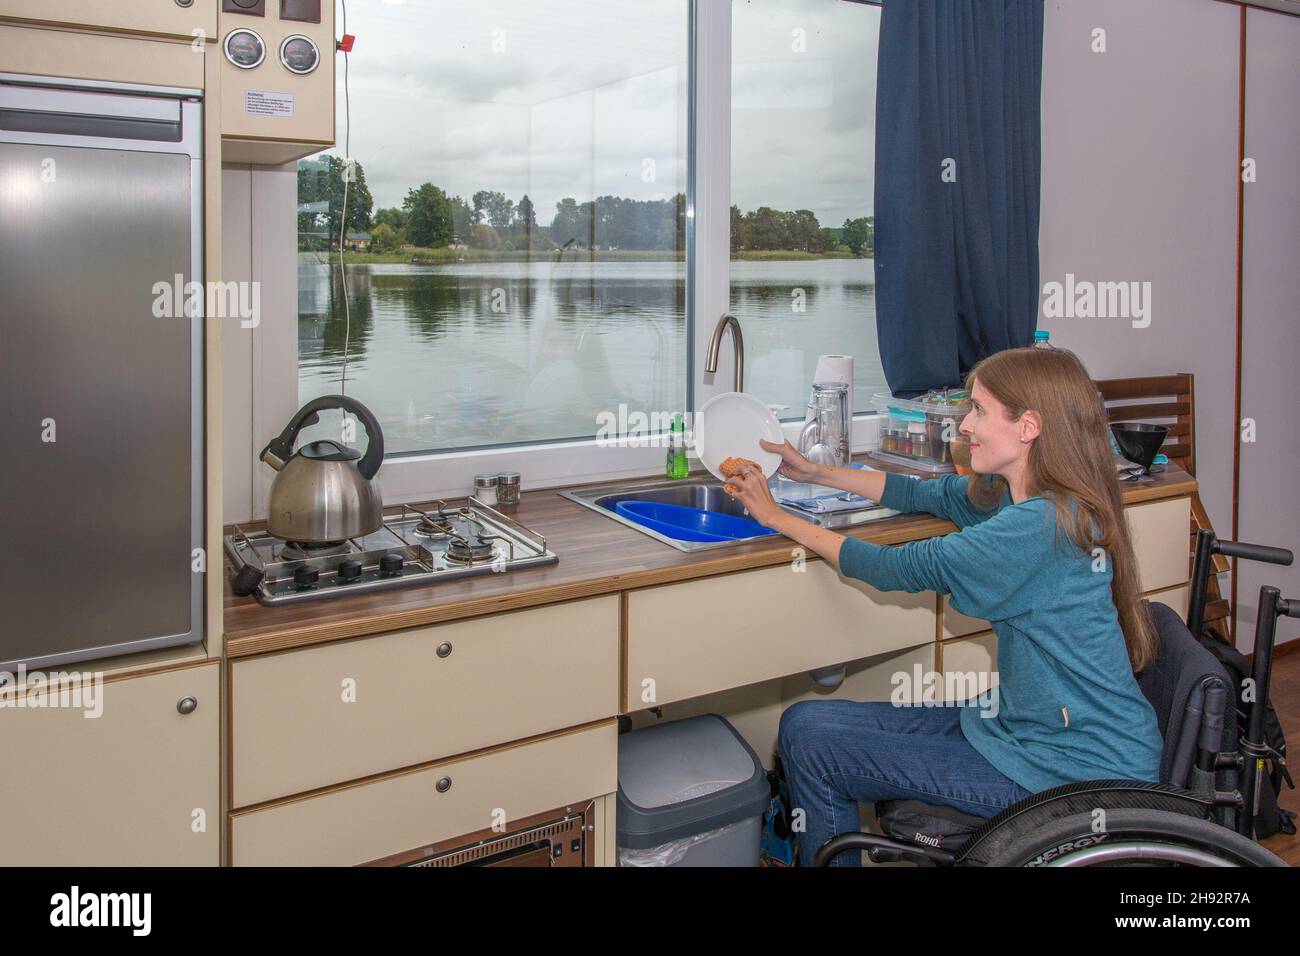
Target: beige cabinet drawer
[87,56]
[325,715]
[697,637]
[1176,598]
[1161,534]
[164,17]
[138,785]
[364,822]
[969,666]
[956,624]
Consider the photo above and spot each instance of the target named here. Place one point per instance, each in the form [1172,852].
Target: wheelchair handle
[1254,552]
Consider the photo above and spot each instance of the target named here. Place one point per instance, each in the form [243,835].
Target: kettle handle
[281,447]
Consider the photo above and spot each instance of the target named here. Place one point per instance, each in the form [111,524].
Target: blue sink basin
[689,524]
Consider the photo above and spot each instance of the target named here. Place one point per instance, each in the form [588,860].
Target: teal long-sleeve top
[1067,707]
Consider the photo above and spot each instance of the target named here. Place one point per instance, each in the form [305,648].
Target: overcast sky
[558,98]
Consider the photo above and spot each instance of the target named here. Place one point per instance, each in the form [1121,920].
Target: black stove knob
[349,570]
[391,564]
[306,577]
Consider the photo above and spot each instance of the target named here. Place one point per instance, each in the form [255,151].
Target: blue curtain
[957,97]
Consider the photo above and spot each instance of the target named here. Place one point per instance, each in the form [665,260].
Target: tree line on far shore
[430,218]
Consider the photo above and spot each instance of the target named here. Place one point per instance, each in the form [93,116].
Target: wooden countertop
[597,556]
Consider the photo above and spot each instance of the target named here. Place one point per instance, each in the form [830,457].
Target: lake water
[493,353]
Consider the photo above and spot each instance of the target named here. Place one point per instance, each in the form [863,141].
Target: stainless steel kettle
[325,492]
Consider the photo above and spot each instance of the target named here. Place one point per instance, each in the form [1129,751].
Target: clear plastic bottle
[1043,340]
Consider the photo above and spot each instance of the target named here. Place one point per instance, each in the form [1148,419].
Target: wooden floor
[1285,692]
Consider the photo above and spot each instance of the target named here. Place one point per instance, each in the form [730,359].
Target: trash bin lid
[685,777]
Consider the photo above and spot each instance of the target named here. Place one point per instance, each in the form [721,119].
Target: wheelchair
[1202,811]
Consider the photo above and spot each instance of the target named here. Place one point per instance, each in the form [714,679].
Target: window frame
[550,464]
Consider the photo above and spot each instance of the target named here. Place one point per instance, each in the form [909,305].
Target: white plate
[730,425]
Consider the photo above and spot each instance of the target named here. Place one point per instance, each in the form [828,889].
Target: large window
[515,221]
[519,207]
[803,96]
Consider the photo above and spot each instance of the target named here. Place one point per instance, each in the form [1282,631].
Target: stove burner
[297,551]
[466,550]
[430,528]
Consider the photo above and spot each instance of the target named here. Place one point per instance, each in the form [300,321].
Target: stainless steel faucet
[738,341]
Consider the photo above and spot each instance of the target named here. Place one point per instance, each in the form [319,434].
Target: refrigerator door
[101,494]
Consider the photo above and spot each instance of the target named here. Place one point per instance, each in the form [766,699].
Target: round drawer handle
[444,649]
[184,3]
[443,784]
[187,705]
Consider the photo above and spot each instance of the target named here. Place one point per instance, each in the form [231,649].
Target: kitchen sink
[705,494]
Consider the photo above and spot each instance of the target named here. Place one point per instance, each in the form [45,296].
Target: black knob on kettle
[305,576]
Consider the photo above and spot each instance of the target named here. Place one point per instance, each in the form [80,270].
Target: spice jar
[508,488]
[919,440]
[485,489]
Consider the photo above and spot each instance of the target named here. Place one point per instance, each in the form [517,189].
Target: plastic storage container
[690,793]
[916,431]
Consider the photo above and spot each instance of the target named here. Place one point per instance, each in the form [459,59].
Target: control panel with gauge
[277,84]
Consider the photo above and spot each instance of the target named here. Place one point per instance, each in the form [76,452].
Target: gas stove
[421,544]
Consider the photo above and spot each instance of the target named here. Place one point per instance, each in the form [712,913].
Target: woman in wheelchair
[1043,553]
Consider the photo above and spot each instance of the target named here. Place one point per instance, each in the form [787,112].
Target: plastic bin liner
[667,854]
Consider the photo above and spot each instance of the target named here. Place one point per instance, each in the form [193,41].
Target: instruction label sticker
[267,103]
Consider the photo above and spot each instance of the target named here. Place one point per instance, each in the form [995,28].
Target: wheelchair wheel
[1131,837]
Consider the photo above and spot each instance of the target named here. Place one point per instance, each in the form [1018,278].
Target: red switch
[345,44]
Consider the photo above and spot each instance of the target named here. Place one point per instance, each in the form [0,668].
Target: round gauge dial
[245,49]
[299,54]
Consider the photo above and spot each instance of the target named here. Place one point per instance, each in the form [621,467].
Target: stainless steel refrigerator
[101,374]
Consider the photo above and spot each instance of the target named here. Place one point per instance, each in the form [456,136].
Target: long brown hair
[1069,461]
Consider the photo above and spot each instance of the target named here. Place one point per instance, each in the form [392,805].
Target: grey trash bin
[690,793]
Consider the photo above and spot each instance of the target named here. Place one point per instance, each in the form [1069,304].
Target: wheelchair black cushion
[924,824]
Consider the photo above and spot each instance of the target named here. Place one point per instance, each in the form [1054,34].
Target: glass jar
[919,440]
[485,489]
[508,488]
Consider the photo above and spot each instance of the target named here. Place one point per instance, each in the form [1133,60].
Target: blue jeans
[838,753]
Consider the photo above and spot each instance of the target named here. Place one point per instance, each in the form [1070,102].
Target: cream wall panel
[1139,184]
[1270,337]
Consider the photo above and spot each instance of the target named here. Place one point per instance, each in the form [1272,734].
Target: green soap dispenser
[677,466]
